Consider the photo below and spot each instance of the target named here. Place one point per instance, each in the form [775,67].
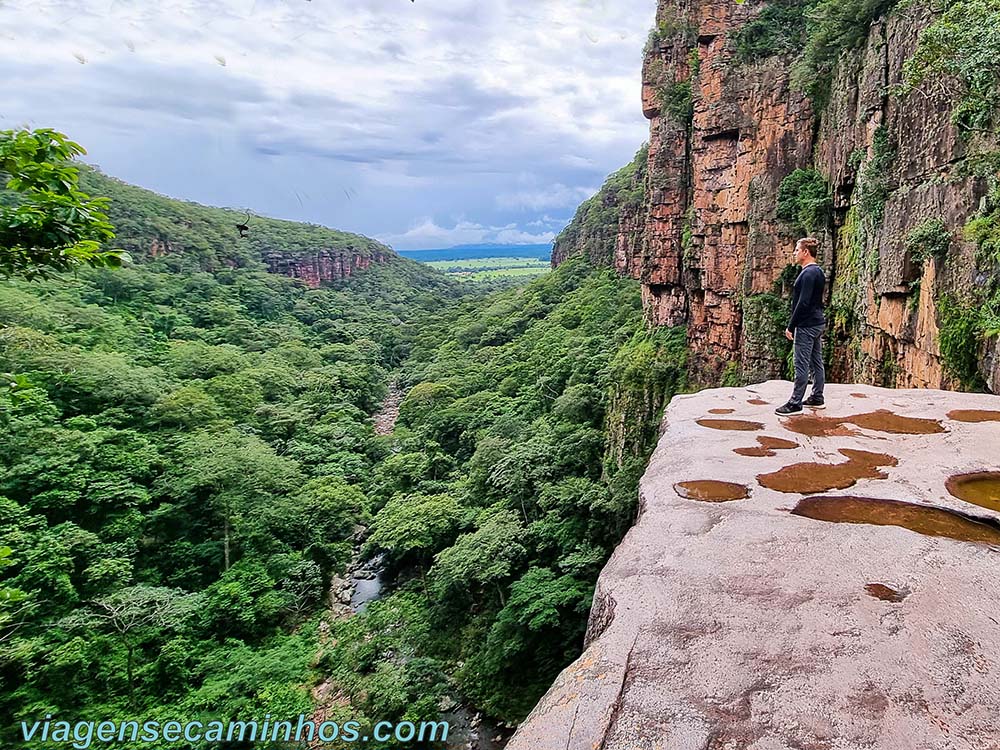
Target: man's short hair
[809,244]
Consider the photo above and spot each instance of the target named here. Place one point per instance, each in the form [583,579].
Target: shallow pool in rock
[923,519]
[881,420]
[813,426]
[884,420]
[885,593]
[776,443]
[712,490]
[815,477]
[767,446]
[974,415]
[979,488]
[740,425]
[754,451]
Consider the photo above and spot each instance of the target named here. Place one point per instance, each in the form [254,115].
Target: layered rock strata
[706,243]
[324,265]
[751,624]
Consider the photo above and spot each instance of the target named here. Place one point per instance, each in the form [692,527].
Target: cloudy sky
[424,123]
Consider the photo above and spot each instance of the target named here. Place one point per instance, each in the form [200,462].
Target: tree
[487,556]
[234,474]
[49,224]
[136,614]
[414,525]
[8,598]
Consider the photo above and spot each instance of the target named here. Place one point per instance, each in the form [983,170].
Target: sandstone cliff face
[894,336]
[743,625]
[323,265]
[707,245]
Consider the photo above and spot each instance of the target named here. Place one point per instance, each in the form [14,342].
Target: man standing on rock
[805,328]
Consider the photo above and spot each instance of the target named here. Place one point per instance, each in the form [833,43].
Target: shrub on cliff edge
[832,27]
[956,55]
[804,200]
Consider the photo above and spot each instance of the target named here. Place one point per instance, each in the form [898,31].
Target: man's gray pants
[808,346]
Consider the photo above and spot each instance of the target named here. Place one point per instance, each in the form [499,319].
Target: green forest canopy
[188,446]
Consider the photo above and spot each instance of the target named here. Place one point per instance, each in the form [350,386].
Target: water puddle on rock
[757,451]
[813,477]
[885,593]
[812,426]
[876,421]
[757,402]
[776,443]
[721,411]
[712,491]
[974,415]
[979,488]
[884,420]
[731,424]
[859,395]
[923,519]
[768,446]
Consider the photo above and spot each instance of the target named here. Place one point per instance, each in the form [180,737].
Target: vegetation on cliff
[188,237]
[957,55]
[832,26]
[813,33]
[779,29]
[804,201]
[595,224]
[966,323]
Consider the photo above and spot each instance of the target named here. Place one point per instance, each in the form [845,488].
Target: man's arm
[808,283]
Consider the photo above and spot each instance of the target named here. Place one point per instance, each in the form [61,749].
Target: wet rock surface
[885,593]
[882,420]
[743,625]
[739,425]
[767,446]
[974,415]
[817,477]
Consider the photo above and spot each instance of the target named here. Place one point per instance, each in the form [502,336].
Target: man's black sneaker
[787,409]
[814,402]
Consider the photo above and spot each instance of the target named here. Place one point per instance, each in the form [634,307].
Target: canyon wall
[322,265]
[706,242]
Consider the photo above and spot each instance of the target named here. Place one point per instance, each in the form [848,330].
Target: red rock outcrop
[318,266]
[894,338]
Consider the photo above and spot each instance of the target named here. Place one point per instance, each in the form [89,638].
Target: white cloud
[548,221]
[436,107]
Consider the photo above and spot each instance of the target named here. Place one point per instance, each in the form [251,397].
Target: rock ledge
[737,625]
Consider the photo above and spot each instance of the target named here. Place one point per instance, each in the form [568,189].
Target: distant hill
[466,252]
[182,236]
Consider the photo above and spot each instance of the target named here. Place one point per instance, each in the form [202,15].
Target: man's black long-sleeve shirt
[807,298]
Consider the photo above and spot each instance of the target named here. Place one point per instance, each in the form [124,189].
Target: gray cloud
[438,119]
